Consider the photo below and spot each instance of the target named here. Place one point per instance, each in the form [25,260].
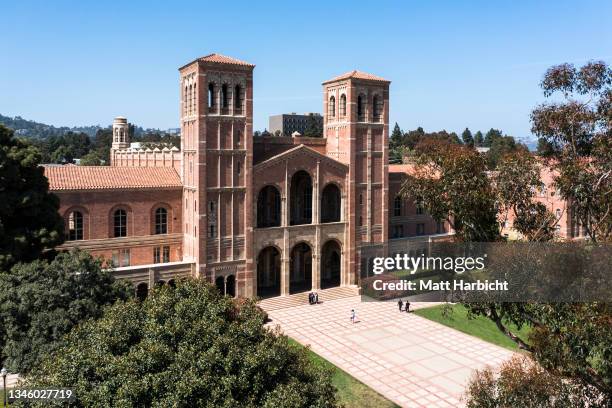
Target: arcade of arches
[269,211]
[300,275]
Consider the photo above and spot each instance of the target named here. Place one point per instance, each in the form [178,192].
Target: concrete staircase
[300,299]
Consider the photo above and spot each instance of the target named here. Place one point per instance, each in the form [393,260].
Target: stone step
[299,299]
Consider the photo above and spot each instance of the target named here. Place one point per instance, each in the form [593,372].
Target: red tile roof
[220,59]
[357,75]
[110,178]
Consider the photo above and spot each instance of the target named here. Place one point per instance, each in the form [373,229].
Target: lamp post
[4,372]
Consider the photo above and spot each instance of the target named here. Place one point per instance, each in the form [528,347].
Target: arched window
[397,206]
[224,100]
[558,214]
[360,109]
[237,100]
[211,95]
[330,204]
[268,207]
[161,221]
[120,223]
[331,109]
[301,198]
[75,226]
[342,105]
[375,109]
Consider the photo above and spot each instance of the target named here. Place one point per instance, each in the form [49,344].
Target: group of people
[313,298]
[401,304]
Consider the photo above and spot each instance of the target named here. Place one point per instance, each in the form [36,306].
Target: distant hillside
[30,128]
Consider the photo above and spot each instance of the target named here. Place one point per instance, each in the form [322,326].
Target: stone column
[285,265]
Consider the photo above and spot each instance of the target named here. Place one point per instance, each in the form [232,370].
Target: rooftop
[354,74]
[220,59]
[65,178]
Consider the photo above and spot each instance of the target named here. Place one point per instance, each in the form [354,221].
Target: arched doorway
[230,286]
[300,275]
[330,204]
[268,272]
[301,198]
[268,207]
[220,284]
[331,264]
[142,290]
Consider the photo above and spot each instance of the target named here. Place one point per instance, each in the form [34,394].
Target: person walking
[400,304]
[407,306]
[353,316]
[316,298]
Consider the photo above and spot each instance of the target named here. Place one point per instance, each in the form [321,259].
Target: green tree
[42,301]
[314,128]
[467,137]
[184,347]
[516,180]
[29,222]
[578,133]
[478,139]
[103,143]
[444,172]
[395,141]
[490,136]
[92,158]
[500,146]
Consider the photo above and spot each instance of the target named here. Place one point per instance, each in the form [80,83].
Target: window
[420,229]
[342,105]
[75,226]
[238,168]
[121,258]
[359,108]
[398,231]
[558,214]
[237,100]
[331,108]
[419,208]
[211,207]
[224,99]
[211,231]
[439,227]
[397,206]
[211,95]
[360,198]
[376,108]
[161,221]
[120,223]
[161,254]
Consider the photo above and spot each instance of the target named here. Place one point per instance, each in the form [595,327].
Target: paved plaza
[412,361]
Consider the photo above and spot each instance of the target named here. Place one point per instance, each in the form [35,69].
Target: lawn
[480,326]
[351,392]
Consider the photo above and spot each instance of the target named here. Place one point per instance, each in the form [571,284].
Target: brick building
[258,217]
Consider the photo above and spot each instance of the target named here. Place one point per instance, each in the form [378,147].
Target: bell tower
[121,138]
[356,128]
[217,147]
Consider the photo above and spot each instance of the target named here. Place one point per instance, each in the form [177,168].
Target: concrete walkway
[412,361]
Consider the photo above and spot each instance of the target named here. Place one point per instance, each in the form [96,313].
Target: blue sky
[452,64]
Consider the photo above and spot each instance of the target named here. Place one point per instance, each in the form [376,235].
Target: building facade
[269,216]
[289,123]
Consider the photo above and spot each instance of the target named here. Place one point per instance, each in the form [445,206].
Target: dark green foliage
[42,301]
[478,139]
[500,146]
[445,172]
[314,128]
[184,347]
[467,137]
[37,130]
[29,222]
